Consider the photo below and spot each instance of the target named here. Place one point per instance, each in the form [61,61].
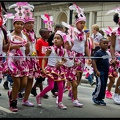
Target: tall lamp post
[70,17]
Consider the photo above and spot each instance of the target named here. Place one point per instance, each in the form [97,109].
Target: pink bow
[31,35]
[71,54]
[80,36]
[59,50]
[48,20]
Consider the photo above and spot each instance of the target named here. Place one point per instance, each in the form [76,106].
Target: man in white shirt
[96,36]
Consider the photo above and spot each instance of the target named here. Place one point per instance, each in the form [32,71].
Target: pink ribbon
[59,50]
[80,36]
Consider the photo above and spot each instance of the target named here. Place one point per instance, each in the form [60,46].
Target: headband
[62,34]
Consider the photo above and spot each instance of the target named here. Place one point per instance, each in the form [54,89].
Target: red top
[41,48]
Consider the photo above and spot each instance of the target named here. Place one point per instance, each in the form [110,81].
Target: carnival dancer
[112,74]
[115,51]
[4,43]
[71,73]
[54,70]
[32,61]
[41,45]
[19,48]
[80,42]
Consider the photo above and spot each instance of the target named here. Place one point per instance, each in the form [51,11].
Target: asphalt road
[49,108]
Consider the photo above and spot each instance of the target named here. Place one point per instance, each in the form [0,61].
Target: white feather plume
[51,18]
[43,17]
[72,7]
[28,7]
[65,24]
[31,6]
[13,6]
[110,11]
[68,26]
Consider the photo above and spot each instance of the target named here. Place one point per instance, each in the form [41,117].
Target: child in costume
[32,61]
[54,70]
[71,74]
[19,48]
[115,51]
[112,74]
[80,42]
[4,43]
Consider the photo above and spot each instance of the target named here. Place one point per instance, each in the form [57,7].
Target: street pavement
[49,108]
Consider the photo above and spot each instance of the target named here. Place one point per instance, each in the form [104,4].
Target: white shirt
[97,37]
[70,62]
[79,46]
[53,58]
[21,48]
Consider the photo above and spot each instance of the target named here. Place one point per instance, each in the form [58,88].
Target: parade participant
[17,66]
[54,70]
[50,41]
[5,18]
[71,74]
[112,74]
[101,68]
[34,68]
[80,43]
[115,51]
[4,43]
[41,47]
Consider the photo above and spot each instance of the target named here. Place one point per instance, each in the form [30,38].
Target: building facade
[95,13]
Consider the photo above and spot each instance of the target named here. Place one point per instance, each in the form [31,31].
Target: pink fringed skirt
[17,66]
[79,59]
[56,73]
[71,74]
[34,67]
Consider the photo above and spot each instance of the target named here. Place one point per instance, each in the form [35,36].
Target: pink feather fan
[71,32]
[48,20]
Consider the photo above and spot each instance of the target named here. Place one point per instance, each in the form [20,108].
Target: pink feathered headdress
[80,13]
[110,30]
[115,10]
[19,16]
[71,33]
[48,20]
[62,34]
[7,16]
[28,13]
